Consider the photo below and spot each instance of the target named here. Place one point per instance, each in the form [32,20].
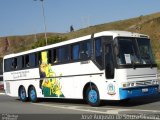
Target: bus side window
[20,61]
[39,59]
[55,56]
[8,65]
[75,52]
[63,54]
[50,56]
[26,62]
[32,60]
[14,63]
[86,49]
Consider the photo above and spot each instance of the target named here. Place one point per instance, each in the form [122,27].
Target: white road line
[70,108]
[2,93]
[95,109]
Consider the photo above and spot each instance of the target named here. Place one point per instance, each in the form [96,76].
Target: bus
[108,65]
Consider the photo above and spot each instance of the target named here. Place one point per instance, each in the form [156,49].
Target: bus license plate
[145,90]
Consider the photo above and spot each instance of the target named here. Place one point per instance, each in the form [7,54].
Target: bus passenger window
[63,54]
[32,60]
[27,61]
[14,63]
[75,52]
[55,57]
[86,49]
[7,65]
[39,58]
[20,61]
[49,56]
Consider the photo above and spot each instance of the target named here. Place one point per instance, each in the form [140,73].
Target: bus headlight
[128,84]
[154,82]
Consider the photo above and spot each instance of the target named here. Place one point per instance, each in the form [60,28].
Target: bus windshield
[134,51]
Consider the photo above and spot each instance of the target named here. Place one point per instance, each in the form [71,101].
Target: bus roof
[114,33]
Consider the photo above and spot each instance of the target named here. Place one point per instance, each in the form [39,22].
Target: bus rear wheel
[22,94]
[92,96]
[32,94]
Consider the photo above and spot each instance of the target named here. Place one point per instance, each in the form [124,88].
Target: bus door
[109,61]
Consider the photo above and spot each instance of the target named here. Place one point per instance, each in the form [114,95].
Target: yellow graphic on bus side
[51,86]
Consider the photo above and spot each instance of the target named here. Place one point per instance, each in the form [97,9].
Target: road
[76,109]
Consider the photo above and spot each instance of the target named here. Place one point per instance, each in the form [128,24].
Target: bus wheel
[32,94]
[92,96]
[22,94]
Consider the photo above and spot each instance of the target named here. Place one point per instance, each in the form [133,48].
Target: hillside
[148,24]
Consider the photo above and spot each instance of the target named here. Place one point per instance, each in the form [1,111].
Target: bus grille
[143,83]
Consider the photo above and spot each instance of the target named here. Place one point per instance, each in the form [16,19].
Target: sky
[23,17]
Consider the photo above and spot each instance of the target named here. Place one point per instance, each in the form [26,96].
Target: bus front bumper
[137,92]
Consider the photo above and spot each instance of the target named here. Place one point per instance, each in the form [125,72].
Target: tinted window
[55,56]
[63,54]
[7,65]
[27,61]
[39,58]
[20,61]
[109,64]
[49,56]
[98,51]
[32,60]
[75,52]
[86,49]
[14,63]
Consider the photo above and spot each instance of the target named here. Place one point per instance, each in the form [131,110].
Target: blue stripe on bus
[137,92]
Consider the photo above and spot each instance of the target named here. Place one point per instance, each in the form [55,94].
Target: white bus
[109,65]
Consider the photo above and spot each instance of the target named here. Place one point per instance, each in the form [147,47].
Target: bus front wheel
[22,94]
[32,94]
[92,96]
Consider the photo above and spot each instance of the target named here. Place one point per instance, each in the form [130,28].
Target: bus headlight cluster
[132,84]
[155,82]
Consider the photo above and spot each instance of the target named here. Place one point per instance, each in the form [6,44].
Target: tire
[22,94]
[32,94]
[92,96]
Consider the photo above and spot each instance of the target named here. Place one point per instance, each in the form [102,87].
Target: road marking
[2,93]
[70,108]
[97,109]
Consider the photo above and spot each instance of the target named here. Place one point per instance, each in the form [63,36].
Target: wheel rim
[93,96]
[32,94]
[22,94]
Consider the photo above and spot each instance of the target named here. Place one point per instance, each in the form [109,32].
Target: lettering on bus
[20,74]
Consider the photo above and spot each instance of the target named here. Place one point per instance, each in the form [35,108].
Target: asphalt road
[78,109]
